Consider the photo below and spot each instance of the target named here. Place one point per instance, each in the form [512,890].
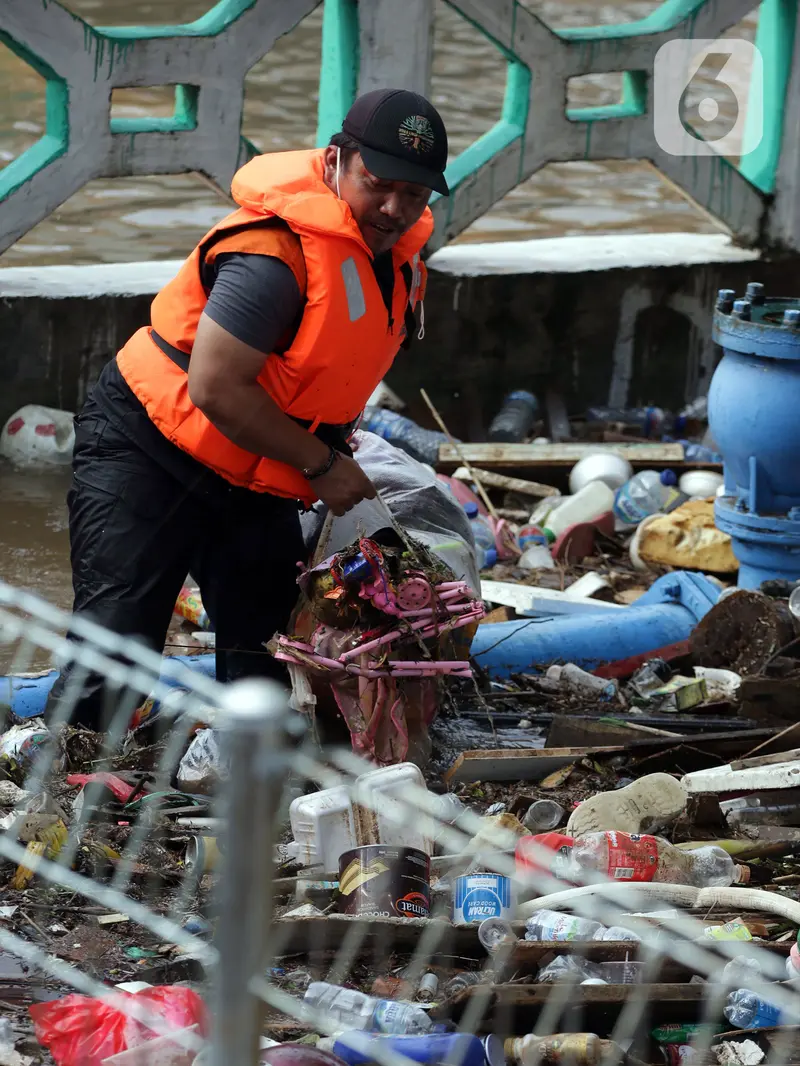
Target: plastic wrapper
[201,768]
[82,1031]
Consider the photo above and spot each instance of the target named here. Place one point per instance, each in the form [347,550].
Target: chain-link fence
[384,886]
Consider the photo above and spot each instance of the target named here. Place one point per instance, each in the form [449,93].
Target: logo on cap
[416,133]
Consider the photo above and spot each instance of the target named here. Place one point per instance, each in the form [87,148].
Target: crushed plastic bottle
[573,679]
[355,1010]
[648,421]
[514,421]
[485,548]
[553,925]
[419,443]
[746,1010]
[495,933]
[647,492]
[638,857]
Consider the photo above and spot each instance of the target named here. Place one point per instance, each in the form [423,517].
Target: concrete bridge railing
[388,42]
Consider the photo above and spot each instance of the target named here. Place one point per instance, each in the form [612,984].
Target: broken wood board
[528,455]
[527,957]
[530,599]
[766,760]
[532,764]
[515,1008]
[503,481]
[567,731]
[518,764]
[444,941]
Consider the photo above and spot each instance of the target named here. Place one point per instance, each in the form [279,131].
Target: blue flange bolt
[752,413]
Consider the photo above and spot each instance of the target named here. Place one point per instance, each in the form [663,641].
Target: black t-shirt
[255,298]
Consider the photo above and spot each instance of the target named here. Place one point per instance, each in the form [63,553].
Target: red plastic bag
[82,1031]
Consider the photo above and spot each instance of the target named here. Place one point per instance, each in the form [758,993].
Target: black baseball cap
[401,137]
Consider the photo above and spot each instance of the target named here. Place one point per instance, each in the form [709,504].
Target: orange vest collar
[291,185]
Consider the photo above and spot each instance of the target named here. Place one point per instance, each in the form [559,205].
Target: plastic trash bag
[201,768]
[83,1031]
[418,501]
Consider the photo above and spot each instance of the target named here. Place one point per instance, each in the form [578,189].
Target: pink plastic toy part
[414,594]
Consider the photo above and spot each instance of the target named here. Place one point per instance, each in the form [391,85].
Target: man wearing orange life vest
[199,439]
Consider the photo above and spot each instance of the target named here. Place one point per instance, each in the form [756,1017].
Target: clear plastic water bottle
[419,443]
[355,1010]
[640,857]
[513,422]
[649,421]
[553,925]
[647,492]
[746,1010]
[485,548]
[543,815]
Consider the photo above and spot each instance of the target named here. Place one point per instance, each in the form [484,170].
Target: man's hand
[344,486]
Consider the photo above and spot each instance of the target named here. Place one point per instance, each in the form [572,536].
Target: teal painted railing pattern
[207,60]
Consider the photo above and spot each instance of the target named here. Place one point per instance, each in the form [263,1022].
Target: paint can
[379,880]
[480,896]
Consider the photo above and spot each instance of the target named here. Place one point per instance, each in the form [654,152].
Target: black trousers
[137,529]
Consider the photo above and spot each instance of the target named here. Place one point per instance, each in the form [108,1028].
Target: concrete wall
[632,325]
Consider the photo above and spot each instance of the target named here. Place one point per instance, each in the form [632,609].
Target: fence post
[253,734]
[396,43]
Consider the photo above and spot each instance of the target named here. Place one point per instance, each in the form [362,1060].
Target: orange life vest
[345,342]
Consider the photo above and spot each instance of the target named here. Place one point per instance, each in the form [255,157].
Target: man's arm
[223,384]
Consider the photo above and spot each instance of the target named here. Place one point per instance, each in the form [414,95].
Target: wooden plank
[376,935]
[568,731]
[531,455]
[503,481]
[518,764]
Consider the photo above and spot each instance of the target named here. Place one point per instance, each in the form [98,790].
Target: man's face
[383,210]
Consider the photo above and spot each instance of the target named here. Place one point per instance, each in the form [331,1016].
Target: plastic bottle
[746,1010]
[485,549]
[647,492]
[513,422]
[356,1010]
[530,534]
[553,925]
[543,815]
[421,444]
[639,857]
[649,421]
[593,500]
[495,933]
[573,679]
[461,981]
[356,1048]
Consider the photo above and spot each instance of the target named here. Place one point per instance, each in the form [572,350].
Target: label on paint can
[480,896]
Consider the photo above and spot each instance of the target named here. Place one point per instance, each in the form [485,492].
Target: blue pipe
[28,695]
[665,614]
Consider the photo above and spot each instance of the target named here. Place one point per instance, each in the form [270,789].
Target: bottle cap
[470,509]
[493,1051]
[669,477]
[743,875]
[489,557]
[549,534]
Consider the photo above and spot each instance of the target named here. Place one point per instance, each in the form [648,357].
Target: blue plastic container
[753,416]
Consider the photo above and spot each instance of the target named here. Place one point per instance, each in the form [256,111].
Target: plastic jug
[325,824]
[593,500]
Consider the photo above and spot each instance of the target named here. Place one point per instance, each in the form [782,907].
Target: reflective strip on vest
[416,280]
[356,301]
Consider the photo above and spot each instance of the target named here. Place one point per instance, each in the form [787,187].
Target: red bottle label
[631,856]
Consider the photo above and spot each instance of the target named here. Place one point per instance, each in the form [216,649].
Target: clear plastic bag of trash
[38,435]
[201,768]
[418,501]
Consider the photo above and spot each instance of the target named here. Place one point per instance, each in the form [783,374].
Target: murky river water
[162,217]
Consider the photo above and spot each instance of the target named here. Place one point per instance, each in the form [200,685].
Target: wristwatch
[310,474]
